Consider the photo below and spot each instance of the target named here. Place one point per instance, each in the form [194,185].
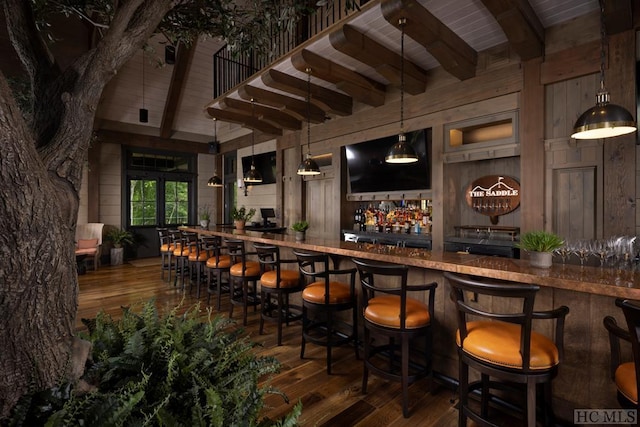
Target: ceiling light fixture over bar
[308,166]
[604,120]
[401,152]
[253,176]
[215,180]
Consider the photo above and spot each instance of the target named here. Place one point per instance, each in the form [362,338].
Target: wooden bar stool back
[500,343]
[185,244]
[175,237]
[399,319]
[276,285]
[626,374]
[243,278]
[218,264]
[323,297]
[166,247]
[198,256]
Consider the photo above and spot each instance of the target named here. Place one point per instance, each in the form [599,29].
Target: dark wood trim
[571,63]
[155,142]
[532,164]
[181,69]
[620,152]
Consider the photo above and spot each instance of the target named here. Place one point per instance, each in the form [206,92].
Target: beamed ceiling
[355,65]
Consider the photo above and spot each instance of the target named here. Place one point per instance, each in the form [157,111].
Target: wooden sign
[493,195]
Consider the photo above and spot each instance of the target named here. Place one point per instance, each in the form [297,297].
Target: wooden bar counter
[589,292]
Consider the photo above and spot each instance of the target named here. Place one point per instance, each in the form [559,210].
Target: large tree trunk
[40,176]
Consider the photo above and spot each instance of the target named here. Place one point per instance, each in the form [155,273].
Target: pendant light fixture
[604,120]
[215,180]
[253,176]
[308,166]
[401,152]
[143,113]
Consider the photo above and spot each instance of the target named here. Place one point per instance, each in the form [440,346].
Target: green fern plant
[173,370]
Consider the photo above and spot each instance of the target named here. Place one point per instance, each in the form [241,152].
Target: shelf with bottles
[404,216]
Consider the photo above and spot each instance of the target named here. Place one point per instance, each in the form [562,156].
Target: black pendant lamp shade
[215,180]
[253,176]
[605,120]
[308,166]
[401,152]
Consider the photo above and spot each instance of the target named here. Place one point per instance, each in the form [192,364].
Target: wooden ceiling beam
[454,54]
[327,99]
[247,121]
[184,57]
[295,107]
[521,26]
[268,114]
[148,141]
[348,40]
[359,87]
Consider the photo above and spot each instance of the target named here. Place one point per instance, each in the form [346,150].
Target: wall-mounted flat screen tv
[265,164]
[368,172]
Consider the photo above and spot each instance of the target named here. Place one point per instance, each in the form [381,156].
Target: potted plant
[204,213]
[540,245]
[241,215]
[300,228]
[118,238]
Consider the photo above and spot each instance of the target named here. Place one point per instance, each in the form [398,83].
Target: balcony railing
[230,70]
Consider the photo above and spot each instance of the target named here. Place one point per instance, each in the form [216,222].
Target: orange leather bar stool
[183,247]
[626,374]
[389,313]
[322,300]
[243,278]
[198,256]
[276,285]
[501,344]
[217,265]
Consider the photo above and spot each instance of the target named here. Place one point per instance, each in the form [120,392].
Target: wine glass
[564,251]
[581,249]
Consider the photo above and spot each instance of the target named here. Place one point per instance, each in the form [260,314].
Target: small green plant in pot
[540,245]
[119,238]
[204,213]
[300,227]
[241,215]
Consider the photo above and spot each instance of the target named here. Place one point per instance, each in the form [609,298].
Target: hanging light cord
[603,44]
[253,131]
[401,22]
[308,70]
[143,79]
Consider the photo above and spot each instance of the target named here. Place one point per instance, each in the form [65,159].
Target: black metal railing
[229,70]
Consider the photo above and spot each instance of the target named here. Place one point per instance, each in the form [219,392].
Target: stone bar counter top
[592,280]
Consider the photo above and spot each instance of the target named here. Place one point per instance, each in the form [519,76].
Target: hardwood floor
[328,400]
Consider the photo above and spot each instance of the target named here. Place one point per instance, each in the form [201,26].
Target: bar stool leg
[463,386]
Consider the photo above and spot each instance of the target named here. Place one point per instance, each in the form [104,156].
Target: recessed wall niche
[480,138]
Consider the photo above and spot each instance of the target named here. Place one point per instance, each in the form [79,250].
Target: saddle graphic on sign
[493,195]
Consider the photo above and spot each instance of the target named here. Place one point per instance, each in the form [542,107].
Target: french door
[159,192]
